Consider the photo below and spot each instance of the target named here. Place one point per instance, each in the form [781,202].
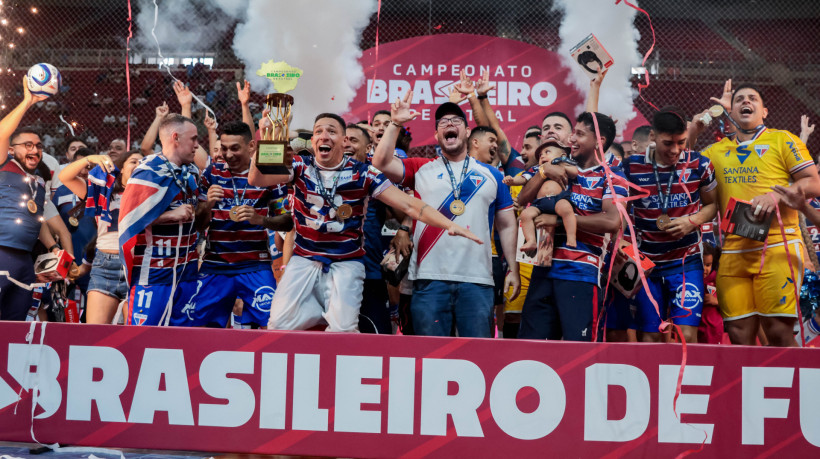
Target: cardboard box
[545,238]
[50,267]
[626,277]
[739,219]
[591,56]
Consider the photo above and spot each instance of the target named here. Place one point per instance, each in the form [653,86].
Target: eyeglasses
[456,121]
[30,145]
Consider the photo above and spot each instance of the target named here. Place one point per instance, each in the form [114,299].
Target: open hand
[456,230]
[183,93]
[244,93]
[29,98]
[792,196]
[805,128]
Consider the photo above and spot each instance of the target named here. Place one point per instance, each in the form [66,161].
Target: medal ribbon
[236,199]
[664,197]
[182,185]
[31,181]
[320,186]
[464,168]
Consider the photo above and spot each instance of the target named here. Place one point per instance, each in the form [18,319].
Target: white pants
[306,296]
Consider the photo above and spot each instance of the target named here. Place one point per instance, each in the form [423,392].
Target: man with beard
[22,198]
[453,281]
[156,225]
[237,261]
[323,281]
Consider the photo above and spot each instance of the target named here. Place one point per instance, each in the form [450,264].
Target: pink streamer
[128,77]
[376,63]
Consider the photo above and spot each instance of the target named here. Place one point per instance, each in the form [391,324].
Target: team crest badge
[761,150]
[477,180]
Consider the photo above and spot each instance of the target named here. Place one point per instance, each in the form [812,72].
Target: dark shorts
[558,309]
[547,204]
[15,300]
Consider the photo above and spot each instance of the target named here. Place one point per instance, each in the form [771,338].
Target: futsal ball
[44,80]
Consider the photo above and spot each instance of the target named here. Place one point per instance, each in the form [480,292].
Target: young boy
[552,197]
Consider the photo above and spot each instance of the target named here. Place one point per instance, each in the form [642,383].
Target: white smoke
[321,37]
[613,25]
[182,25]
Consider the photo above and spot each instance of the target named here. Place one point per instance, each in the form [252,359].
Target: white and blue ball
[43,80]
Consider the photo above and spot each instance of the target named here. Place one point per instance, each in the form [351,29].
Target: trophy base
[271,157]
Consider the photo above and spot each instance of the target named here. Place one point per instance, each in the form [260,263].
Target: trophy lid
[276,98]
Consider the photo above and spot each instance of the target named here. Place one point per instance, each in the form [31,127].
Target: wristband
[404,228]
[541,173]
[55,246]
[481,97]
[396,124]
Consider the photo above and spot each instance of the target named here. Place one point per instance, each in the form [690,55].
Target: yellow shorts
[742,292]
[516,305]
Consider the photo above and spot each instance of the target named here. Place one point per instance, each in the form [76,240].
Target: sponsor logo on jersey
[140,318]
[262,298]
[743,153]
[693,296]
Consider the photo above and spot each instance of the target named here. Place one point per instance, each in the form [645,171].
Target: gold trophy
[270,151]
[271,157]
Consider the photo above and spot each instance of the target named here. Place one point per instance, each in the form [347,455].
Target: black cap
[550,143]
[449,108]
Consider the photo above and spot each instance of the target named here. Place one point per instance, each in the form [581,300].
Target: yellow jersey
[524,271]
[748,169]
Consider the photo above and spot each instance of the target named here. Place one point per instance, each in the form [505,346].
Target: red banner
[302,393]
[530,81]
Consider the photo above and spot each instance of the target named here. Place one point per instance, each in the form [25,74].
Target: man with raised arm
[748,168]
[453,280]
[324,278]
[22,200]
[562,298]
[157,232]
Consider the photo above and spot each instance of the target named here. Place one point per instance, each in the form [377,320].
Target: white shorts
[307,296]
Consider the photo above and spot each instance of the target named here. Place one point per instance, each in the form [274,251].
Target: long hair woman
[107,179]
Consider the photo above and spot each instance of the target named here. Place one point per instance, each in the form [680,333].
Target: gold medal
[457,207]
[234,213]
[73,221]
[32,206]
[663,222]
[715,111]
[344,211]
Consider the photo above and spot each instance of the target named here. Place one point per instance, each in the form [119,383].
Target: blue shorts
[213,300]
[147,303]
[667,291]
[620,312]
[107,276]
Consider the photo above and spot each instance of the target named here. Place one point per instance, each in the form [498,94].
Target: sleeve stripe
[801,166]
